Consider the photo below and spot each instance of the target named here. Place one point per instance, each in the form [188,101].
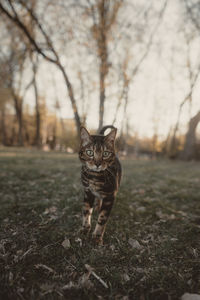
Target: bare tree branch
[16,19]
[160,17]
[193,81]
[189,10]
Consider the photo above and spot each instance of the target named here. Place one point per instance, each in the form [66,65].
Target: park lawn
[151,246]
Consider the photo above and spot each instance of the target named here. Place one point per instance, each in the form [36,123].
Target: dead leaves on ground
[66,243]
[151,246]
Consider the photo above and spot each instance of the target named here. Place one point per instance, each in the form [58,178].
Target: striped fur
[100,175]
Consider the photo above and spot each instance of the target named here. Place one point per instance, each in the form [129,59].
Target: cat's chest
[95,186]
[95,183]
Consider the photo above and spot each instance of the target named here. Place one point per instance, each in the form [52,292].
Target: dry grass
[152,240]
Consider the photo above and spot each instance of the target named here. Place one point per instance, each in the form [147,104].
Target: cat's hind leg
[104,214]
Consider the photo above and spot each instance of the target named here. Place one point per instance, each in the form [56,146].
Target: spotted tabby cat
[101,175]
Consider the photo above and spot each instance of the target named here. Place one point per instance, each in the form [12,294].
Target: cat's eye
[106,153]
[90,153]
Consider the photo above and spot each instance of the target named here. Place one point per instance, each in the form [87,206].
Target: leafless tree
[4,96]
[34,61]
[48,50]
[14,64]
[193,13]
[193,76]
[104,14]
[130,68]
[189,151]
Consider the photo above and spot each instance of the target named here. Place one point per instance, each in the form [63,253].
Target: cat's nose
[97,164]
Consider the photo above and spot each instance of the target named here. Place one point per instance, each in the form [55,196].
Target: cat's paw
[85,230]
[97,239]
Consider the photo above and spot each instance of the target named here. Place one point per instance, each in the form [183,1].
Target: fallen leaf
[125,277]
[19,252]
[188,296]
[134,244]
[69,286]
[141,209]
[50,210]
[112,247]
[66,243]
[85,282]
[141,191]
[44,267]
[174,239]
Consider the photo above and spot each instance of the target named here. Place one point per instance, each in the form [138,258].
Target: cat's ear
[110,138]
[85,136]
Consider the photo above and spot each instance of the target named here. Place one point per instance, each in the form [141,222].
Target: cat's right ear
[85,136]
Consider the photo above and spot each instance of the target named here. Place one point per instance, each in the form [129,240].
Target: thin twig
[90,270]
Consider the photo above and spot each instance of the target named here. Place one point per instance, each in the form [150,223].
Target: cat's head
[97,152]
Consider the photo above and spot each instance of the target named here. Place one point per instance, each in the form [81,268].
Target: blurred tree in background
[98,52]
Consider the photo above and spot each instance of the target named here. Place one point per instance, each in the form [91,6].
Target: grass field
[151,246]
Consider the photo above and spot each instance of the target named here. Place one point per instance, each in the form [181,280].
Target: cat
[100,175]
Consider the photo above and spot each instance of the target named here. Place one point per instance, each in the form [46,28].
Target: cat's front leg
[87,210]
[104,213]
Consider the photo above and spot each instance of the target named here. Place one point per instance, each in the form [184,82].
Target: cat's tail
[105,128]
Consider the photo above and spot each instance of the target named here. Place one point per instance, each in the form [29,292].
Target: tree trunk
[3,128]
[190,141]
[71,96]
[37,140]
[126,92]
[19,115]
[103,55]
[102,99]
[20,123]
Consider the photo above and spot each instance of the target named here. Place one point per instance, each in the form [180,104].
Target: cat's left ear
[85,136]
[110,138]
